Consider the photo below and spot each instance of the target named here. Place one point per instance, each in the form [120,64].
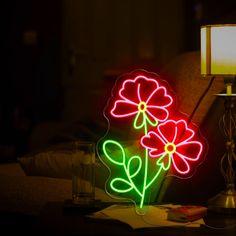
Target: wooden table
[53,220]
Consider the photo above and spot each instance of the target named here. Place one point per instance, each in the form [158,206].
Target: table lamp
[218,59]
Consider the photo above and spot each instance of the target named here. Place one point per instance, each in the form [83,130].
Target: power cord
[187,224]
[200,99]
[220,228]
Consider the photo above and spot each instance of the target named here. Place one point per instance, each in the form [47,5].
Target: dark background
[40,56]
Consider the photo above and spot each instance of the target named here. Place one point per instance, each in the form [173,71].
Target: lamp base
[224,202]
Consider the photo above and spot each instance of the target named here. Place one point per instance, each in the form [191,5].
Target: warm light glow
[204,53]
[218,50]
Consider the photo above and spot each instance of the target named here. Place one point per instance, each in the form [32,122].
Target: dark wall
[201,12]
[30,89]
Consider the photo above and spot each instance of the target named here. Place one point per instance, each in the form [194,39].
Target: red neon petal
[183,133]
[153,142]
[160,114]
[159,98]
[130,91]
[139,89]
[175,131]
[180,164]
[168,131]
[123,109]
[146,87]
[190,150]
[156,152]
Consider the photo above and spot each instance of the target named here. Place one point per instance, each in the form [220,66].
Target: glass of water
[83,175]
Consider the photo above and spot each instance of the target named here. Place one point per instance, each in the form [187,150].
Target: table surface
[54,220]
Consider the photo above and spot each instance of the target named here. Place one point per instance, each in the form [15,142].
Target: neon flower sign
[137,168]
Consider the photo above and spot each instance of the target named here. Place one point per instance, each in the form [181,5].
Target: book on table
[186,213]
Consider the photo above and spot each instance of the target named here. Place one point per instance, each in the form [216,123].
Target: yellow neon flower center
[142,106]
[170,148]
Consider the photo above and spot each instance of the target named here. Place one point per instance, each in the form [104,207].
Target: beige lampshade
[218,49]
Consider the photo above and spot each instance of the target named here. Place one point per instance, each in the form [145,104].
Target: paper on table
[155,216]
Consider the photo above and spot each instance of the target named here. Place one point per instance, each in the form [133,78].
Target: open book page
[155,216]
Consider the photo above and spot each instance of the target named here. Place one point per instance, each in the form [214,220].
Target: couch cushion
[11,169]
[184,76]
[57,163]
[28,194]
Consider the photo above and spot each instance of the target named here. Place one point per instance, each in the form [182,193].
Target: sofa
[196,97]
[42,176]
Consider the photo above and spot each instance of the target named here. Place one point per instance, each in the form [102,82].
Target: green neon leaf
[164,161]
[150,122]
[121,185]
[114,152]
[137,123]
[134,165]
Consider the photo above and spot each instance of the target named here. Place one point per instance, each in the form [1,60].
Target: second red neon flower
[174,140]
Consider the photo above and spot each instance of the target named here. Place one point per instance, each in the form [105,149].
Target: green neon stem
[145,170]
[160,169]
[145,185]
[155,177]
[131,181]
[126,165]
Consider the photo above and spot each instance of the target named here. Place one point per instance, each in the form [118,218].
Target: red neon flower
[174,139]
[144,98]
